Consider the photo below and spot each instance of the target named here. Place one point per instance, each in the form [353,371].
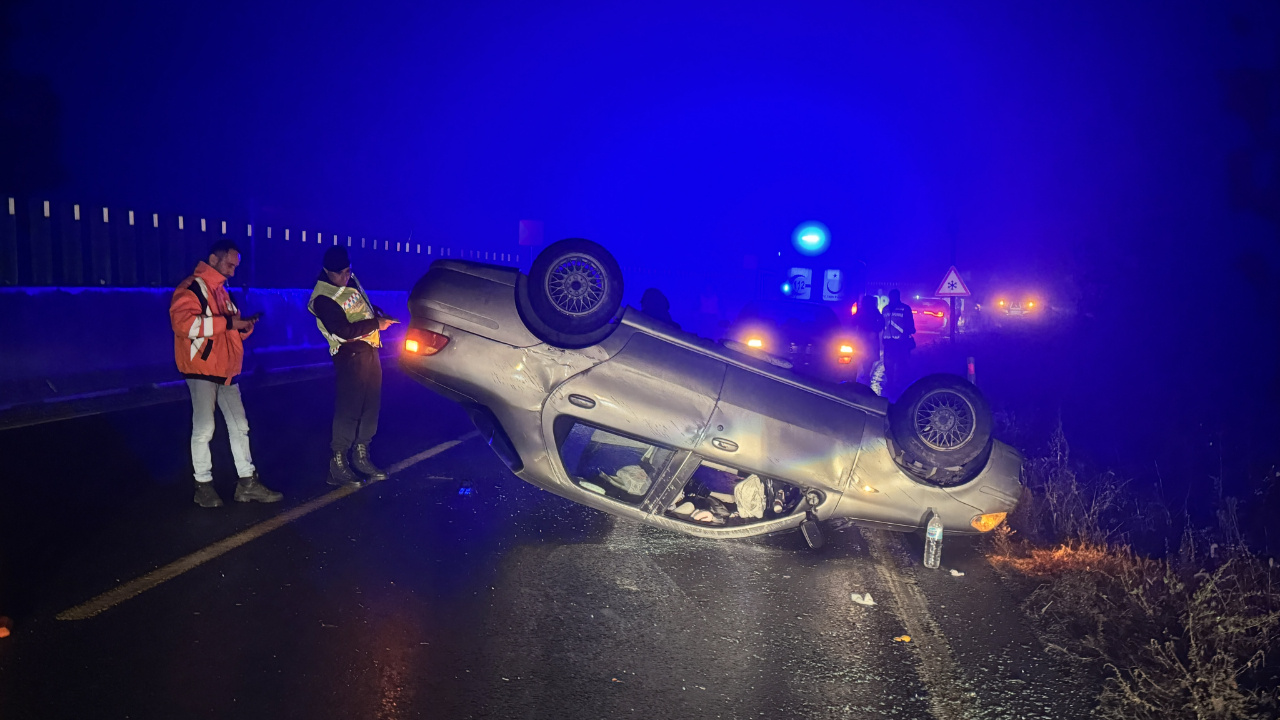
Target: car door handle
[582,401]
[724,444]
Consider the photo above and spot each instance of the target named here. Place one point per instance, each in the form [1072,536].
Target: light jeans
[204,393]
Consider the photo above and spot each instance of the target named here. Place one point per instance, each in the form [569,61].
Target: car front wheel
[941,429]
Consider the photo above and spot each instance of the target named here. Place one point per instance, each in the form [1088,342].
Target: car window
[718,494]
[610,464]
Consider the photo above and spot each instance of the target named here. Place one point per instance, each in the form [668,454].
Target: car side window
[612,465]
[718,494]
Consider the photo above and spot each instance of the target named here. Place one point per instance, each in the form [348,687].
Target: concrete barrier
[58,343]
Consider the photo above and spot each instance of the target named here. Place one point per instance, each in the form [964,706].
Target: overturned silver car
[616,410]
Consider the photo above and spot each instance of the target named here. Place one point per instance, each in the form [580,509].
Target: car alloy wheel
[945,420]
[576,285]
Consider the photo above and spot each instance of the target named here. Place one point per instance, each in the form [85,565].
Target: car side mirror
[812,532]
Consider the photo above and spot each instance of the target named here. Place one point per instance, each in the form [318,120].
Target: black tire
[941,428]
[573,291]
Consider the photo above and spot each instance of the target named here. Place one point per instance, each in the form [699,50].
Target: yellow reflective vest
[354,302]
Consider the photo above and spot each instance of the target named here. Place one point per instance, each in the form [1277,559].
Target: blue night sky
[1037,134]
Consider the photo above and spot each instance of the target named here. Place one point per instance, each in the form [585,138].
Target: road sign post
[952,287]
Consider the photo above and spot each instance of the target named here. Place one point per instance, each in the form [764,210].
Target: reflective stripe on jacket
[200,311]
[899,324]
[354,302]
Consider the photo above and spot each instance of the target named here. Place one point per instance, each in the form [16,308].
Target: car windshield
[795,320]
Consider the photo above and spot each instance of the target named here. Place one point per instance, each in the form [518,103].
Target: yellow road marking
[139,585]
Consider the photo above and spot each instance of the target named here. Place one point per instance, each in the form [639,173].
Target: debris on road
[5,625]
[863,599]
[956,573]
[902,638]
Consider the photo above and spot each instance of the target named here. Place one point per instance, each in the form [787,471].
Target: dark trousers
[359,397]
[897,354]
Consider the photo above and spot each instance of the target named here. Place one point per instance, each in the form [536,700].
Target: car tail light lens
[845,360]
[988,522]
[424,342]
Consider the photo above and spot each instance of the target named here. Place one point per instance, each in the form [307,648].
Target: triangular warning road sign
[952,285]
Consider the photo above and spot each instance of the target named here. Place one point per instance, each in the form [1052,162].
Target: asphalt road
[408,599]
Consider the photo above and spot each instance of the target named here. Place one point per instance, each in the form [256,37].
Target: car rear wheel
[941,429]
[573,290]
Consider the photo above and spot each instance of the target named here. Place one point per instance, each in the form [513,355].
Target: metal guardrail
[48,243]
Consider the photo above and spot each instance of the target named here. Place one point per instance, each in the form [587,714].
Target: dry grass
[1061,505]
[1193,636]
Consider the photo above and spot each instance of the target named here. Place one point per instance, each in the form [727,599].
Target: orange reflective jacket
[204,344]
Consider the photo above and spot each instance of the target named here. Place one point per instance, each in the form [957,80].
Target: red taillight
[424,342]
[846,360]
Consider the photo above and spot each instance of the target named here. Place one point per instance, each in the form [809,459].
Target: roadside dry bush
[1192,636]
[1060,505]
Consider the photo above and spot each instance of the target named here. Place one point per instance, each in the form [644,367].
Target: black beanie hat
[335,259]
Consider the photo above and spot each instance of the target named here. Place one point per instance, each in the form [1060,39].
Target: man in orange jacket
[208,336]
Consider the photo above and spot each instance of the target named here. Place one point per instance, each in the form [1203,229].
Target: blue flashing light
[811,238]
[786,288]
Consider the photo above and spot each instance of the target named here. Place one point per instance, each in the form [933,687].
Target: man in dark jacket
[654,304]
[867,326]
[899,326]
[351,324]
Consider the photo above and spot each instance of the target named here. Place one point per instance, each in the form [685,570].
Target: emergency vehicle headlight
[424,342]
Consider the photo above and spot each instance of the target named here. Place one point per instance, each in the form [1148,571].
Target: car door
[653,391]
[783,431]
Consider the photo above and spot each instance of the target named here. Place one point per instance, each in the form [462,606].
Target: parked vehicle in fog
[809,335]
[612,409]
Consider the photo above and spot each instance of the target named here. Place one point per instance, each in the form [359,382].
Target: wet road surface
[408,599]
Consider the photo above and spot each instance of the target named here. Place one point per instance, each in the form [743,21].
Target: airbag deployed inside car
[631,479]
[748,495]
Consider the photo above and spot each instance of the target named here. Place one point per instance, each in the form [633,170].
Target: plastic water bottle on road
[933,541]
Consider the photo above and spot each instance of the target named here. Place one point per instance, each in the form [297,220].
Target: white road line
[938,671]
[139,585]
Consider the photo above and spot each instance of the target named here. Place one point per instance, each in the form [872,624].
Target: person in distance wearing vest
[209,337]
[351,324]
[899,326]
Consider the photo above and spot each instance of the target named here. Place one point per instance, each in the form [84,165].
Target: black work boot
[206,496]
[340,472]
[251,489]
[363,465]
